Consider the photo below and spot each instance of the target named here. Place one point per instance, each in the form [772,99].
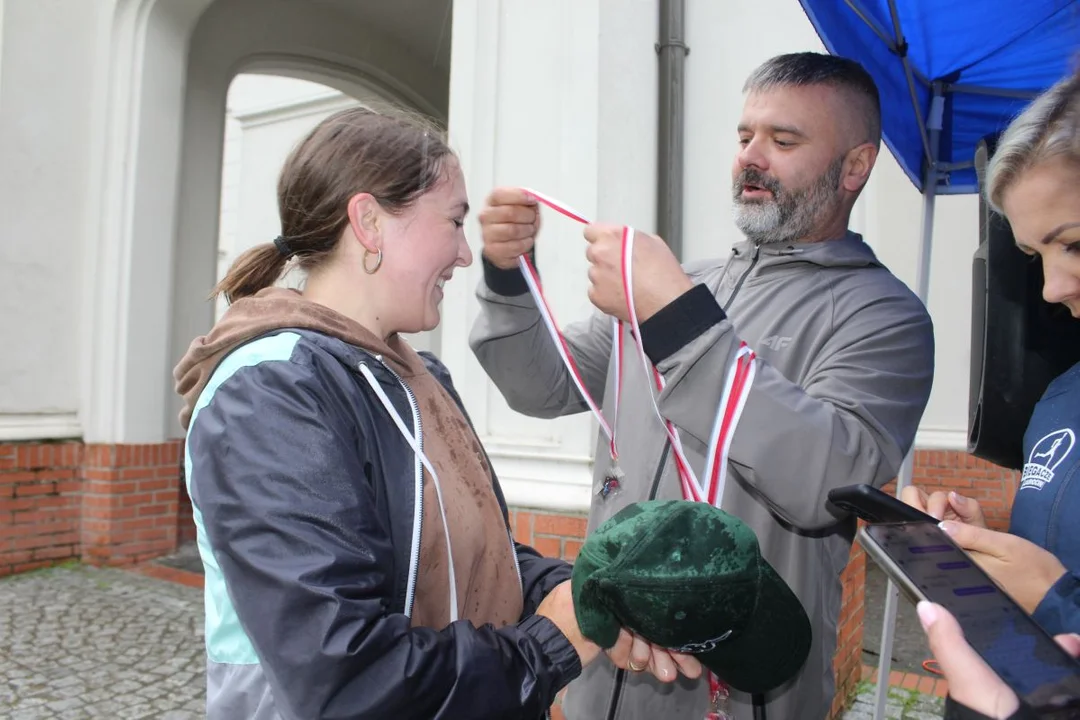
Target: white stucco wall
[47,59]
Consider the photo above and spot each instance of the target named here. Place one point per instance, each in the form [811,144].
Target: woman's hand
[971,681]
[1025,570]
[945,506]
[630,652]
[634,653]
[558,607]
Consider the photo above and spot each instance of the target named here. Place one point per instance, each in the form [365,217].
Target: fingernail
[948,526]
[928,614]
[957,498]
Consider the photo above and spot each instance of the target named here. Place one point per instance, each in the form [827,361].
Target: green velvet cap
[690,577]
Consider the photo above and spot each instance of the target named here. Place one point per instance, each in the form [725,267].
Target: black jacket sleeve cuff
[566,665]
[679,323]
[508,283]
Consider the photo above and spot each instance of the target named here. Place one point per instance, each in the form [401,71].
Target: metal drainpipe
[672,50]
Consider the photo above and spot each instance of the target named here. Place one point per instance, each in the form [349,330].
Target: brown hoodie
[484,564]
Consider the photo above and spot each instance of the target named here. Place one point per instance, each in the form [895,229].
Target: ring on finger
[633,666]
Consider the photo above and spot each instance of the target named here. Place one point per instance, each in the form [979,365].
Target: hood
[276,309]
[847,251]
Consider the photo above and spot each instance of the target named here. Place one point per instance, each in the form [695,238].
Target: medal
[612,481]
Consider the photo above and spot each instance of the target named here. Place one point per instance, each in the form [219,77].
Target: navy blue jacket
[306,509]
[1046,509]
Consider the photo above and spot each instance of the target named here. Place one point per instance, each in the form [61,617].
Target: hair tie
[282,246]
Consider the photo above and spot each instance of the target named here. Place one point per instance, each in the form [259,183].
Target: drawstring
[366,372]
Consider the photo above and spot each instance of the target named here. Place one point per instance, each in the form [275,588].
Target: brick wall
[993,486]
[847,663]
[103,504]
[39,504]
[130,503]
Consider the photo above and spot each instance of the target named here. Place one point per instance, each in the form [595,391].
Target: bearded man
[845,362]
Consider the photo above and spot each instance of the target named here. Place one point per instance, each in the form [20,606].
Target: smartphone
[876,506]
[927,565]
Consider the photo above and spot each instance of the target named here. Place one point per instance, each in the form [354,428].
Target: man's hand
[945,506]
[971,681]
[658,277]
[1025,570]
[636,654]
[509,224]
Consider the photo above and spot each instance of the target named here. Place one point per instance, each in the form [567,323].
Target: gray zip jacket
[846,362]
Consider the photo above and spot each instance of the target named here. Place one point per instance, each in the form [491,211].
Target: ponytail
[256,269]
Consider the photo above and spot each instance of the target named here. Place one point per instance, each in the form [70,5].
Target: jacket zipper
[517,566]
[620,675]
[418,513]
[739,284]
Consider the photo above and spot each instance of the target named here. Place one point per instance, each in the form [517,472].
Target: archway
[171,70]
[151,260]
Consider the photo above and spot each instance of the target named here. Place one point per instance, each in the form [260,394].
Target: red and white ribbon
[532,279]
[737,382]
[736,388]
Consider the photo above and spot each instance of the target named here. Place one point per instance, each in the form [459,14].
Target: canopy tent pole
[922,289]
[901,49]
[934,123]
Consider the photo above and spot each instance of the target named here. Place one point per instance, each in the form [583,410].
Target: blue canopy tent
[963,68]
[950,73]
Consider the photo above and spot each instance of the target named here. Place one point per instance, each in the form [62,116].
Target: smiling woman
[321,505]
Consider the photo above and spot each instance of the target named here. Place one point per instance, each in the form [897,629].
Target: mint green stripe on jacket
[226,641]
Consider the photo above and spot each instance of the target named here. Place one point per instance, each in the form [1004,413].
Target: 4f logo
[776,342]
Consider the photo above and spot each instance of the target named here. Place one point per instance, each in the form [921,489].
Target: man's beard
[789,215]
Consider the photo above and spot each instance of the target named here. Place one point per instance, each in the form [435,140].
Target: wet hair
[394,156]
[1049,128]
[805,69]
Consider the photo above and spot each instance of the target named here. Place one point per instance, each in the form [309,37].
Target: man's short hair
[812,68]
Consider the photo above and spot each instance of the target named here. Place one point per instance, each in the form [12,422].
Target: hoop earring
[378,262]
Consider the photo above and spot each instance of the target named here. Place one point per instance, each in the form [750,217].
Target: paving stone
[79,642]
